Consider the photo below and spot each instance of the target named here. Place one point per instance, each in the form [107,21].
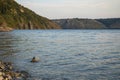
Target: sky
[58,9]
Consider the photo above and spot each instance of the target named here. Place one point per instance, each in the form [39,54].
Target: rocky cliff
[77,23]
[16,16]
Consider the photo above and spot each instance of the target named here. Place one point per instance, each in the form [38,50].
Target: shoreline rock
[5,29]
[8,73]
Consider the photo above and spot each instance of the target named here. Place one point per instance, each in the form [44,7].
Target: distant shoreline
[5,29]
[86,23]
[56,29]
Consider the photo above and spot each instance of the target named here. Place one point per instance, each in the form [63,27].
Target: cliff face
[76,23]
[16,16]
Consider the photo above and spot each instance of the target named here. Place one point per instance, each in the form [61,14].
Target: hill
[16,16]
[111,23]
[77,23]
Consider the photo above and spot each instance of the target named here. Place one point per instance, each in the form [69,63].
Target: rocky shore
[7,72]
[5,29]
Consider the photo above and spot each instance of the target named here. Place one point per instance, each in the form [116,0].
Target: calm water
[64,54]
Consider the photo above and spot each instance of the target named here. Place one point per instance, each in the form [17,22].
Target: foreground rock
[5,29]
[35,59]
[7,72]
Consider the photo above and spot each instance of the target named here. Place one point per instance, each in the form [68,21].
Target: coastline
[5,29]
[8,72]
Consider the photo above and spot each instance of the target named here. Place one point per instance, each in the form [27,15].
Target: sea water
[64,54]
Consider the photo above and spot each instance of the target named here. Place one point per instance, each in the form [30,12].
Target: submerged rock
[35,59]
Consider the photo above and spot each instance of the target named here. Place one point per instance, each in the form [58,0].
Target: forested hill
[77,23]
[16,16]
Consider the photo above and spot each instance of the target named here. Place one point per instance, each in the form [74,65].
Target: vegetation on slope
[76,23]
[16,16]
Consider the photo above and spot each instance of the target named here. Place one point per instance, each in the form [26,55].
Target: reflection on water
[64,54]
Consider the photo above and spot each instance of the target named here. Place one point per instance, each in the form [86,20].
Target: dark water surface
[64,54]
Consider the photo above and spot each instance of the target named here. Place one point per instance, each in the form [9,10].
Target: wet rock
[10,67]
[17,75]
[35,59]
[25,74]
[2,67]
[7,77]
[7,72]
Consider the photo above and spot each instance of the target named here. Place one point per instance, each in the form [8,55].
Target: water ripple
[64,54]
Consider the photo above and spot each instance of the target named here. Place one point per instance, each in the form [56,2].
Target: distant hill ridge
[77,23]
[15,16]
[111,23]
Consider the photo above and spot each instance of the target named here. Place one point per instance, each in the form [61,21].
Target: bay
[64,54]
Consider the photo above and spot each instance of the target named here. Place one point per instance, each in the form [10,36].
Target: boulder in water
[35,59]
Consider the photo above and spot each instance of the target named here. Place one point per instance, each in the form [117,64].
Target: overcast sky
[56,9]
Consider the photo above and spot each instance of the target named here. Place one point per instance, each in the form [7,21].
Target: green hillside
[17,16]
